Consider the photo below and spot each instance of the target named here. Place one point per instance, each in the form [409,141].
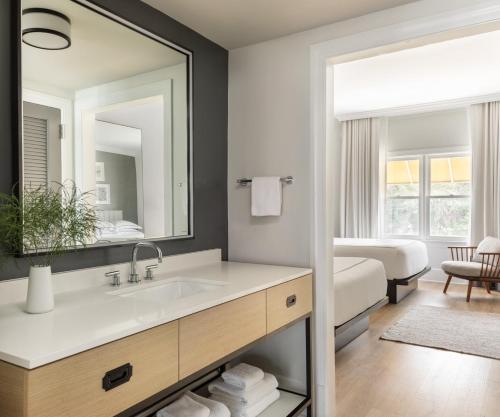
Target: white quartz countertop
[91,317]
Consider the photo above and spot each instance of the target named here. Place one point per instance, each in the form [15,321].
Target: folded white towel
[217,408]
[184,407]
[266,196]
[243,376]
[257,408]
[246,397]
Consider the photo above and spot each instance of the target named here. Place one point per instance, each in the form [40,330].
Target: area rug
[442,328]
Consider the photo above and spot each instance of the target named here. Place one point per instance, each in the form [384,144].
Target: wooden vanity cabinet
[288,302]
[115,377]
[74,386]
[211,334]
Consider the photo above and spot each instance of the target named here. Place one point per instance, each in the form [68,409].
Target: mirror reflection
[107,108]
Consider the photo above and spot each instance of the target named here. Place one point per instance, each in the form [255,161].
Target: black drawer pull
[291,300]
[117,377]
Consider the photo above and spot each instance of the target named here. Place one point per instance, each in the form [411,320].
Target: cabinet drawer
[288,301]
[74,386]
[209,335]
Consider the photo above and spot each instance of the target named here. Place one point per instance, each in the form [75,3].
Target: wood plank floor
[377,378]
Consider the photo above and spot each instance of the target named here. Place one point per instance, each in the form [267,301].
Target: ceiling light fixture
[46,29]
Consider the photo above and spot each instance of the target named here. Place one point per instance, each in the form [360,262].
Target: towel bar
[246,181]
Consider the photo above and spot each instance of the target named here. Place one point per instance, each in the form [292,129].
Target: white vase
[40,298]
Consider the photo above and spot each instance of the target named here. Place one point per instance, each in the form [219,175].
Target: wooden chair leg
[447,284]
[469,289]
[487,285]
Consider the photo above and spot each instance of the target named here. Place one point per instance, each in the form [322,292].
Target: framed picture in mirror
[102,194]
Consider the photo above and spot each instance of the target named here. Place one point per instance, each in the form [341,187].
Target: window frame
[424,157]
[420,160]
[428,197]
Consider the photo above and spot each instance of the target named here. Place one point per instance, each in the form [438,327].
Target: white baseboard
[437,275]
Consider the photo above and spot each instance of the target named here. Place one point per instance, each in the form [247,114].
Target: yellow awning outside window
[403,172]
[455,169]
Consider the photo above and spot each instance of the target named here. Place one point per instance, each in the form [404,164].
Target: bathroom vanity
[129,351]
[124,134]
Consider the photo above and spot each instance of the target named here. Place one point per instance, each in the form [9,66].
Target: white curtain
[362,177]
[485,140]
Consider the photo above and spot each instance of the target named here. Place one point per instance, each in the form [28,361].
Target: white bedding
[402,258]
[117,230]
[120,236]
[359,283]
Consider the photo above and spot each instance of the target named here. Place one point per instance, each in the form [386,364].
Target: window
[428,196]
[402,210]
[449,196]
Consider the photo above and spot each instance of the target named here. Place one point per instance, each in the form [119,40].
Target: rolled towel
[243,376]
[184,407]
[257,408]
[246,397]
[217,408]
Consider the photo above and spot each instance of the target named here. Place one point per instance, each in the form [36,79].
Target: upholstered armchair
[474,264]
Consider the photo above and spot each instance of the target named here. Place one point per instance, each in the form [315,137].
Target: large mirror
[107,107]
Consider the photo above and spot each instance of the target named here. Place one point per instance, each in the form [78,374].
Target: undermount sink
[166,290]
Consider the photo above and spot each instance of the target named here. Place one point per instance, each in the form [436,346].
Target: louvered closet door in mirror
[42,145]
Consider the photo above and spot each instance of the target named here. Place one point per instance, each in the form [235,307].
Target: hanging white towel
[266,196]
[257,408]
[184,407]
[243,376]
[250,396]
[217,409]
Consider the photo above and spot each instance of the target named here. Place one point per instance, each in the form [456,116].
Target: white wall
[441,129]
[269,133]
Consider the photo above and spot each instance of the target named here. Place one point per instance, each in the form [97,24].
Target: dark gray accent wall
[209,135]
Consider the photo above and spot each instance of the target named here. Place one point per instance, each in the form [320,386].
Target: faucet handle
[116,278]
[149,271]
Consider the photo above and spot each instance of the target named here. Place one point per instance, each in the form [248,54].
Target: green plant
[46,222]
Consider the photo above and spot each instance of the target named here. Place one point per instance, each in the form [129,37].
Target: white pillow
[126,225]
[488,245]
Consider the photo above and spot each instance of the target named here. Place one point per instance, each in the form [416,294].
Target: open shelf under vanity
[290,403]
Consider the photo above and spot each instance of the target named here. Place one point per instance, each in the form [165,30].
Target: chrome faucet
[134,276]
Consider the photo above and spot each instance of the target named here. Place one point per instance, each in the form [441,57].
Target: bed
[360,287]
[112,228]
[119,236]
[405,261]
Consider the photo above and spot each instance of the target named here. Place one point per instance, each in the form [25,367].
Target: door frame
[322,139]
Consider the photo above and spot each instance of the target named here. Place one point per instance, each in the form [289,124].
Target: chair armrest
[462,253]
[490,265]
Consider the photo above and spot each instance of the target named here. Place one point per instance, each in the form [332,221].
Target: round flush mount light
[46,29]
